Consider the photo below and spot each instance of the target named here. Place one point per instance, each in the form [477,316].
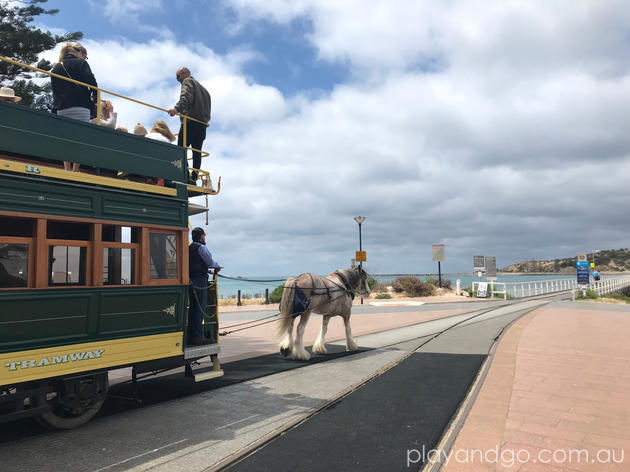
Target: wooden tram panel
[49,332]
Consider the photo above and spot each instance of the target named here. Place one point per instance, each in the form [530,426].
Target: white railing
[527,289]
[610,284]
[543,287]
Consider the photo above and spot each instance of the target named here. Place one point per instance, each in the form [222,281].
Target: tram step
[191,352]
[212,374]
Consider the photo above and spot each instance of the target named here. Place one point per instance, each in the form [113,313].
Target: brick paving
[559,383]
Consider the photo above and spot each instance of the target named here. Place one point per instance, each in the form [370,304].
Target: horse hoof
[320,350]
[285,351]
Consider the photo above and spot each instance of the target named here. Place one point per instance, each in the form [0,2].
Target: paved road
[190,427]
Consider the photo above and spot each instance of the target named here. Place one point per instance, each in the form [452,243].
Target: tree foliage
[22,41]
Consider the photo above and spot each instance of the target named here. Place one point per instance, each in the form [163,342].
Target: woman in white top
[161,132]
[108,115]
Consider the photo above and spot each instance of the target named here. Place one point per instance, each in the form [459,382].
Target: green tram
[93,268]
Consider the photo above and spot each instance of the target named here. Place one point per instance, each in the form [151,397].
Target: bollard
[238,303]
[266,296]
[458,287]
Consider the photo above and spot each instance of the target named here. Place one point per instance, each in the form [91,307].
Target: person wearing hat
[139,130]
[8,95]
[199,262]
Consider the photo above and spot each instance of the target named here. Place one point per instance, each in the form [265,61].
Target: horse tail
[286,306]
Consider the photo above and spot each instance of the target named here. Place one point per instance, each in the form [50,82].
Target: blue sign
[582,273]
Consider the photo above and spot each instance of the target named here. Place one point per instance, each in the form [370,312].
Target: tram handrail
[98,99]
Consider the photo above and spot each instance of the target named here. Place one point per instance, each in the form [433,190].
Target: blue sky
[477,124]
[286,61]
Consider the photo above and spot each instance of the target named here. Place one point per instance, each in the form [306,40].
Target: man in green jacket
[194,101]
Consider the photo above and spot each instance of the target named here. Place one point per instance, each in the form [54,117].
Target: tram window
[119,266]
[17,227]
[163,256]
[13,265]
[120,234]
[67,265]
[68,230]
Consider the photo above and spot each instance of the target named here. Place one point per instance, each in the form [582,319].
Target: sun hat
[8,92]
[139,130]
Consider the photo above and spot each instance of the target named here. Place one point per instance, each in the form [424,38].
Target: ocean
[228,288]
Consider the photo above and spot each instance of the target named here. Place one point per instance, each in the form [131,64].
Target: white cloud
[129,10]
[514,143]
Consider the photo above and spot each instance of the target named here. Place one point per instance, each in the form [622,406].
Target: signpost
[582,273]
[491,268]
[437,254]
[479,263]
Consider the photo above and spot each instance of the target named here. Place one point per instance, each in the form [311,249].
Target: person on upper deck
[161,132]
[108,115]
[69,99]
[194,101]
[7,94]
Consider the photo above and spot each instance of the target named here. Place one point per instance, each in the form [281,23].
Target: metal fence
[543,287]
[610,285]
[527,289]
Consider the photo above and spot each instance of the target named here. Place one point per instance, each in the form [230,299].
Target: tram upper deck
[89,258]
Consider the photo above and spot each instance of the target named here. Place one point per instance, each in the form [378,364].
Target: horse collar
[346,284]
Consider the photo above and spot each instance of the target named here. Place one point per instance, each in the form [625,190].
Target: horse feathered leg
[287,343]
[320,345]
[285,322]
[298,351]
[350,342]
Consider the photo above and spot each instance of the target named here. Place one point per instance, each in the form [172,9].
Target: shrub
[276,295]
[380,287]
[590,294]
[383,295]
[413,287]
[371,281]
[446,283]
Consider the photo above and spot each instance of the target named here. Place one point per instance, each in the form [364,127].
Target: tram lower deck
[93,272]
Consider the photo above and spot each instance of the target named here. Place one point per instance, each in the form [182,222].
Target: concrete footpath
[556,397]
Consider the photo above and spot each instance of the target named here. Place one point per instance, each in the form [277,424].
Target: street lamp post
[360,219]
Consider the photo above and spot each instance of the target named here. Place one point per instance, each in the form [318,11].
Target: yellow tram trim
[25,366]
[52,172]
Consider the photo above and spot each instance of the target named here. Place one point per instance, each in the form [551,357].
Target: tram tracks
[422,341]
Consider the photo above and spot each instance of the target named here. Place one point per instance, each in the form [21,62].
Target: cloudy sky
[494,127]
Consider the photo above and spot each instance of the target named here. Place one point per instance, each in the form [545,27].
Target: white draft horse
[329,296]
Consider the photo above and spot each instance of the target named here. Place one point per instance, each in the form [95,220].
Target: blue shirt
[205,254]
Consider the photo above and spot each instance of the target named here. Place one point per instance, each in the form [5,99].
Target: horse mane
[350,277]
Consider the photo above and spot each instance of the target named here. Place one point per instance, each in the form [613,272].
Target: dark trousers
[198,302]
[195,135]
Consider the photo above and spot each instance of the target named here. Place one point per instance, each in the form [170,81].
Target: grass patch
[619,297]
[381,296]
[589,295]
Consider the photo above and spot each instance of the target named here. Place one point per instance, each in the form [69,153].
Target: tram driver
[200,261]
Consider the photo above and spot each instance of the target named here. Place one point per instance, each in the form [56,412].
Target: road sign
[482,290]
[582,273]
[361,256]
[437,252]
[581,256]
[479,263]
[491,266]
